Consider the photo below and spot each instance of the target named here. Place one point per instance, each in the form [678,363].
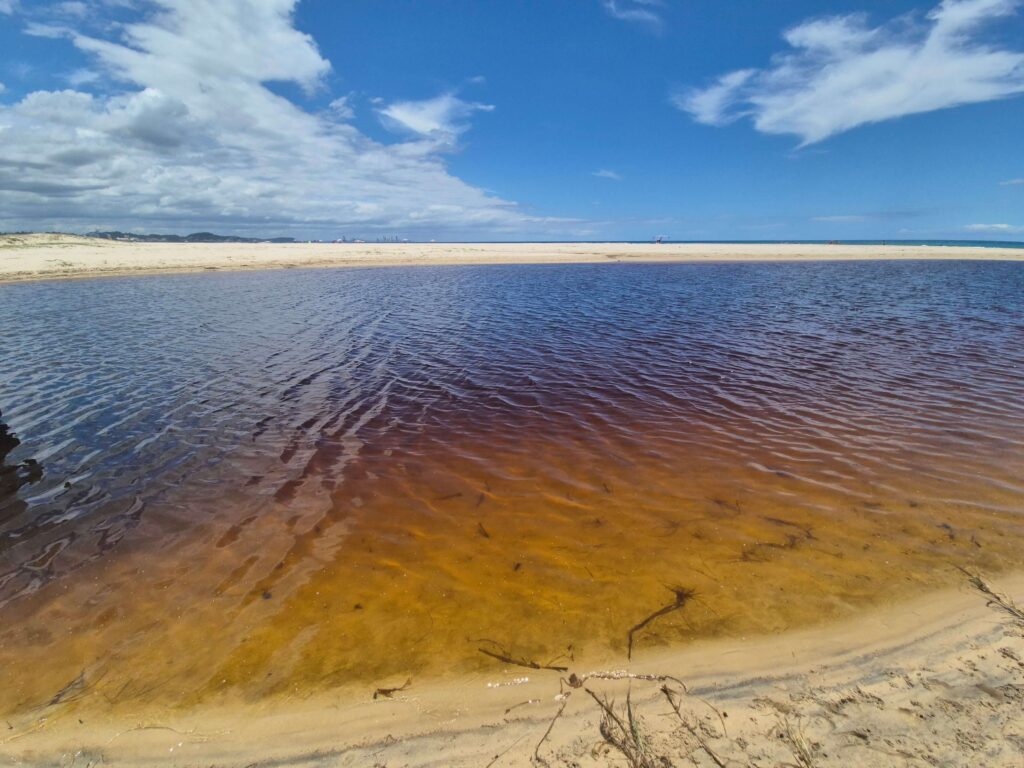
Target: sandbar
[52,256]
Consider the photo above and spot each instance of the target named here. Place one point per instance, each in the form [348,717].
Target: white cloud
[341,108]
[8,6]
[192,138]
[639,11]
[82,77]
[440,119]
[996,229]
[711,105]
[42,29]
[604,173]
[842,73]
[1011,182]
[73,8]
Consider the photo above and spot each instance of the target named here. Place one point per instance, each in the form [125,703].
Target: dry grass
[995,600]
[626,734]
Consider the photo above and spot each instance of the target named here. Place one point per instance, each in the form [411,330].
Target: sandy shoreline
[937,680]
[49,257]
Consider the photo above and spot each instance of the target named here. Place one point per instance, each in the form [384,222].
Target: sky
[515,120]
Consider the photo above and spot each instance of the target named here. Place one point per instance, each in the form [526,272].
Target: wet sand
[937,680]
[47,257]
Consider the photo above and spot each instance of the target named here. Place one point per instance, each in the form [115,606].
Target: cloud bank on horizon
[194,136]
[843,73]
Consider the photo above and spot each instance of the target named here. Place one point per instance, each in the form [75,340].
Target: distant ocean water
[944,243]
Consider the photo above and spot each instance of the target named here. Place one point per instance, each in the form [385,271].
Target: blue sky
[576,119]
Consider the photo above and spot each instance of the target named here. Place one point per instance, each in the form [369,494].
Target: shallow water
[261,485]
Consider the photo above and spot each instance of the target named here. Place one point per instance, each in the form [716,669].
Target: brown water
[267,485]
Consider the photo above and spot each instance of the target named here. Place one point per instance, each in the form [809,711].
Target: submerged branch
[683,596]
[387,693]
[521,662]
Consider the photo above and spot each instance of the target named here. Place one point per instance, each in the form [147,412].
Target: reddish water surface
[266,485]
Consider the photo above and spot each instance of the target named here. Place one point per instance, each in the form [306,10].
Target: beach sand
[934,681]
[43,256]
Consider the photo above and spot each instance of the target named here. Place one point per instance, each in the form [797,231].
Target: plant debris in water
[387,693]
[683,596]
[503,655]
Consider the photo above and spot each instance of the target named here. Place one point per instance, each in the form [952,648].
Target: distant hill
[197,237]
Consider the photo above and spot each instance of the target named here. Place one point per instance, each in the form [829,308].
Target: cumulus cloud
[186,134]
[995,229]
[841,73]
[7,6]
[440,119]
[604,173]
[639,11]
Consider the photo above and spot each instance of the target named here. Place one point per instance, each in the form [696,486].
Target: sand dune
[44,257]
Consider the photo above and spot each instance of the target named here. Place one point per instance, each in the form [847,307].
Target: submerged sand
[935,681]
[46,256]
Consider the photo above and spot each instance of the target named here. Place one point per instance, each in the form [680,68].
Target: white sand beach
[47,257]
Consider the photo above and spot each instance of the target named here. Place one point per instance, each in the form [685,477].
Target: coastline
[940,676]
[25,258]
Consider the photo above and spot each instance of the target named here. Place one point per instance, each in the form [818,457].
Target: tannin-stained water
[262,485]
